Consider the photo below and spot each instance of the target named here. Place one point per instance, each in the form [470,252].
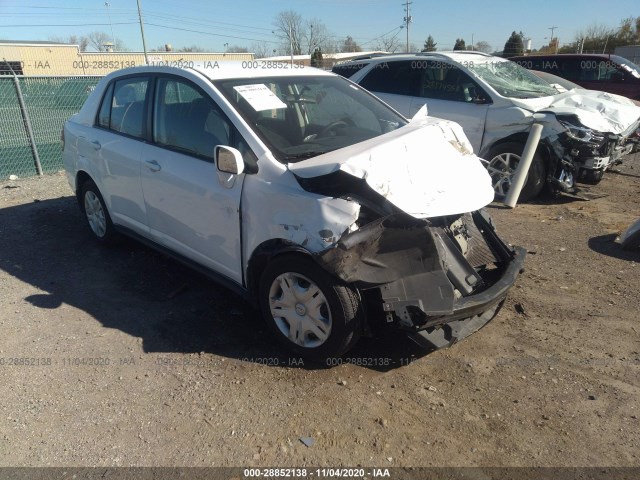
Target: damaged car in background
[496,101]
[301,191]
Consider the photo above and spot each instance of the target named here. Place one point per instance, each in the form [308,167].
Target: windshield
[511,80]
[301,117]
[628,65]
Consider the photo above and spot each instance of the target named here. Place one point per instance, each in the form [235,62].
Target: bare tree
[98,40]
[262,50]
[315,35]
[191,49]
[483,46]
[237,49]
[595,38]
[289,28]
[81,41]
[388,43]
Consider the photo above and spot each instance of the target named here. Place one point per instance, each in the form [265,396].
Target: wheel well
[543,148]
[81,177]
[262,255]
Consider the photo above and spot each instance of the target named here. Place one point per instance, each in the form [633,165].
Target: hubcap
[501,169]
[300,310]
[95,214]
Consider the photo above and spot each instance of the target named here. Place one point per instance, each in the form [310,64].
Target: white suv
[301,191]
[496,101]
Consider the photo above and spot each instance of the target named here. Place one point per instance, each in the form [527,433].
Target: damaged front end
[439,279]
[583,150]
[421,262]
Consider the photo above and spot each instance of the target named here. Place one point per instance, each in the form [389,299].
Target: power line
[74,24]
[211,34]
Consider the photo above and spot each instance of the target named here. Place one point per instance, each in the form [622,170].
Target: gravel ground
[121,357]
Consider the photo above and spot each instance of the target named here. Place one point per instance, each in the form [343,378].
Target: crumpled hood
[426,168]
[601,111]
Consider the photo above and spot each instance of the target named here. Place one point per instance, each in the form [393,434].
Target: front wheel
[593,177]
[312,313]
[503,161]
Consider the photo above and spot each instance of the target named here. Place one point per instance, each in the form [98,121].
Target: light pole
[144,43]
[551,41]
[113,38]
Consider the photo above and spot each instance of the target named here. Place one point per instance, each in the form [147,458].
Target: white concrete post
[520,174]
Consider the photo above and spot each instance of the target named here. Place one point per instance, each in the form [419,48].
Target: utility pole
[291,42]
[113,38]
[144,43]
[407,19]
[552,29]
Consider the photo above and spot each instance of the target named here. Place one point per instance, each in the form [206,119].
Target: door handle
[153,165]
[96,145]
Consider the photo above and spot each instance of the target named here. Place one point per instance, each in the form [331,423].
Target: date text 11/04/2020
[316,472]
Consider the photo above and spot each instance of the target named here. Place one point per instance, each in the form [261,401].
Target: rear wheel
[96,214]
[308,310]
[503,161]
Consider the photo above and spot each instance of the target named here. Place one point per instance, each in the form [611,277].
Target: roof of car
[219,70]
[565,55]
[456,56]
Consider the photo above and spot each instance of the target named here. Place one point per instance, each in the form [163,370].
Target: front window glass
[301,117]
[511,80]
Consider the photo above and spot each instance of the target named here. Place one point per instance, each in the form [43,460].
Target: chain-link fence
[32,113]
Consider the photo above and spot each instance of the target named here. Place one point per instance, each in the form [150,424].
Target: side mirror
[479,100]
[229,160]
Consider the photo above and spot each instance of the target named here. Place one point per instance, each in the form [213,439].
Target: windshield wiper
[304,155]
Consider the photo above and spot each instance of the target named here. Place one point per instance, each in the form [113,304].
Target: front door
[191,207]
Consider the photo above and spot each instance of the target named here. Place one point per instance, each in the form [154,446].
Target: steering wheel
[333,125]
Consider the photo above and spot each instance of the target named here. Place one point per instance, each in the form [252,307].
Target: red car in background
[604,72]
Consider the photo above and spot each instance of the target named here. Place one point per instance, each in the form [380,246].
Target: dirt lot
[120,356]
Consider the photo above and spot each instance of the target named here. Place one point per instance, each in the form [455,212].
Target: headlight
[582,134]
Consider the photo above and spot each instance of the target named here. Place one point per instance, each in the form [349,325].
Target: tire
[593,177]
[315,315]
[503,160]
[632,242]
[96,214]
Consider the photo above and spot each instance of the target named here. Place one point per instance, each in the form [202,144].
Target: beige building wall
[66,60]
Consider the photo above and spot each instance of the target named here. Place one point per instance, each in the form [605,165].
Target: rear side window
[123,106]
[401,78]
[105,109]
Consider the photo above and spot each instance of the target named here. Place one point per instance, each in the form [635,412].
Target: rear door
[192,208]
[447,91]
[113,147]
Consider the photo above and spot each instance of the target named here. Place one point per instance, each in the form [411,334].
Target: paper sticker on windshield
[260,97]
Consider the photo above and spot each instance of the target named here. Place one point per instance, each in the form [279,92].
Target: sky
[211,24]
